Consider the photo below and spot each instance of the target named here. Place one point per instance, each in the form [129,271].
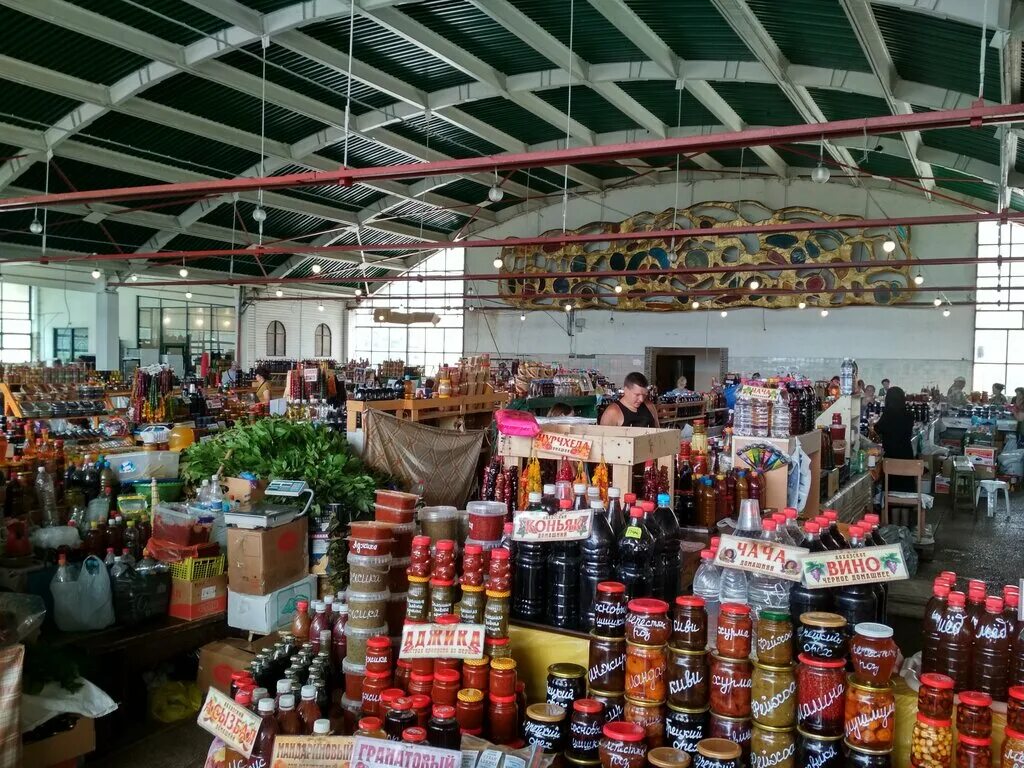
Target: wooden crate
[424,410]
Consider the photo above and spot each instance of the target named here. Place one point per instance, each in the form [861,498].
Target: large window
[15,323]
[69,343]
[423,344]
[276,341]
[322,341]
[187,328]
[999,315]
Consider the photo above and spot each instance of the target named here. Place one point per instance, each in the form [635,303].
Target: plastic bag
[20,616]
[174,700]
[897,534]
[84,604]
[1011,463]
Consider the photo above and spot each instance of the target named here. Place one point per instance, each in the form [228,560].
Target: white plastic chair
[992,489]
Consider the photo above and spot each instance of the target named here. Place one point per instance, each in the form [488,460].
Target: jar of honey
[731,683]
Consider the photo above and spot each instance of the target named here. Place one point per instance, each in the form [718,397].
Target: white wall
[300,319]
[913,347]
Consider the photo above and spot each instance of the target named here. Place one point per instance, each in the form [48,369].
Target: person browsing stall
[895,428]
[632,409]
[262,385]
[997,397]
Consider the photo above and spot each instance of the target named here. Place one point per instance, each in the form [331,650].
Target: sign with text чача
[451,641]
[232,723]
[540,526]
[378,753]
[844,567]
[765,558]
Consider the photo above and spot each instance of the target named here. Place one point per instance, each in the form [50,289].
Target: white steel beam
[971,12]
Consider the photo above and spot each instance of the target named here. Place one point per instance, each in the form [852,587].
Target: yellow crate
[198,568]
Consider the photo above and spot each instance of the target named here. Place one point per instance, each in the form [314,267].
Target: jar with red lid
[1015,708]
[873,653]
[739,730]
[486,519]
[502,679]
[388,697]
[476,673]
[472,565]
[421,682]
[734,631]
[1012,755]
[935,696]
[374,683]
[423,666]
[444,561]
[646,667]
[821,695]
[419,557]
[414,734]
[497,647]
[378,654]
[499,573]
[469,711]
[622,746]
[973,752]
[870,716]
[614,703]
[688,679]
[607,663]
[974,714]
[689,624]
[398,718]
[647,621]
[502,719]
[585,726]
[445,689]
[403,671]
[453,664]
[422,706]
[931,743]
[610,609]
[651,717]
[731,682]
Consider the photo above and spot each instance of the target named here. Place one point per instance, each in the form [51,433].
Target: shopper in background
[997,397]
[895,428]
[262,385]
[681,387]
[955,396]
[868,398]
[230,377]
[1017,407]
[883,390]
[632,409]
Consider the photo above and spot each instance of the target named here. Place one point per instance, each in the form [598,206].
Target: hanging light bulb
[134,278]
[183,272]
[694,305]
[320,307]
[495,194]
[96,274]
[498,263]
[359,291]
[918,278]
[471,307]
[755,284]
[945,313]
[36,227]
[937,302]
[279,293]
[802,305]
[188,294]
[820,174]
[259,214]
[316,269]
[568,307]
[522,316]
[380,318]
[618,289]
[723,313]
[824,313]
[889,245]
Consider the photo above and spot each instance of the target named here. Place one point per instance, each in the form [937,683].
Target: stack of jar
[870,709]
[773,692]
[731,677]
[1013,737]
[486,521]
[606,675]
[369,563]
[686,721]
[821,688]
[398,510]
[647,633]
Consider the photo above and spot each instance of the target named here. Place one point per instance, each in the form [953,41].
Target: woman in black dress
[895,428]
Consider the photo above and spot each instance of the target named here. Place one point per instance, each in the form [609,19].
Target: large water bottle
[760,417]
[846,376]
[780,423]
[741,416]
[707,583]
[768,592]
[203,495]
[46,497]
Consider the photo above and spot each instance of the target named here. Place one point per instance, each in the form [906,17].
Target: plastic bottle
[804,600]
[782,530]
[833,528]
[146,565]
[132,539]
[563,576]
[665,531]
[549,499]
[528,586]
[748,523]
[767,591]
[793,526]
[63,574]
[723,498]
[707,583]
[635,550]
[760,417]
[614,515]
[1011,600]
[215,497]
[684,506]
[975,602]
[595,563]
[856,602]
[846,370]
[264,746]
[95,540]
[741,490]
[955,641]
[579,491]
[741,415]
[780,414]
[46,498]
[109,559]
[203,495]
[990,662]
[115,537]
[301,622]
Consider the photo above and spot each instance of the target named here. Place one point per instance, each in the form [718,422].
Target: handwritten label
[540,526]
[312,751]
[854,566]
[232,723]
[451,641]
[569,446]
[764,558]
[378,753]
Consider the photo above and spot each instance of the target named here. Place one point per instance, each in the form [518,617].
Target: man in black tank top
[632,409]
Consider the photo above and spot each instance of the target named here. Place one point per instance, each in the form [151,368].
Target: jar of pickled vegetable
[974,714]
[731,684]
[1013,749]
[773,639]
[688,679]
[772,747]
[1015,708]
[973,752]
[496,613]
[734,630]
[646,668]
[651,717]
[870,716]
[773,696]
[472,605]
[607,663]
[497,647]
[935,696]
[417,600]
[818,751]
[689,624]
[685,727]
[821,695]
[931,744]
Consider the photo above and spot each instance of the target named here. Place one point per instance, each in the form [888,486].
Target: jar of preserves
[668,757]
[496,612]
[469,711]
[417,600]
[502,680]
[935,696]
[420,682]
[685,727]
[607,663]
[403,673]
[773,696]
[622,746]
[497,647]
[773,639]
[610,609]
[931,744]
[1015,708]
[545,726]
[374,684]
[646,668]
[738,729]
[821,696]
[566,683]
[476,673]
[689,624]
[419,557]
[688,679]
[870,716]
[472,564]
[973,752]
[974,714]
[378,654]
[731,682]
[818,751]
[503,719]
[718,753]
[445,688]
[399,717]
[822,635]
[423,706]
[872,653]
[442,597]
[651,717]
[647,621]
[443,729]
[614,703]
[1012,755]
[414,735]
[585,727]
[472,605]
[734,631]
[866,758]
[773,747]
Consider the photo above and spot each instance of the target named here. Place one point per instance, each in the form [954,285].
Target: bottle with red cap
[1011,599]
[825,535]
[563,604]
[833,528]
[801,599]
[634,553]
[991,655]
[975,601]
[955,642]
[934,610]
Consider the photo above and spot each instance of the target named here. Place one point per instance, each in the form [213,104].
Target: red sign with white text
[540,526]
[570,446]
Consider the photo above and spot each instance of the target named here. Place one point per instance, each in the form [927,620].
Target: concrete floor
[178,745]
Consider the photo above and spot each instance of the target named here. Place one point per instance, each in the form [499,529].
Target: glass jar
[718,753]
[445,689]
[622,746]
[870,716]
[566,683]
[773,696]
[685,727]
[688,679]
[419,557]
[935,696]
[866,758]
[472,605]
[689,624]
[873,653]
[931,744]
[610,609]
[442,597]
[772,747]
[496,612]
[973,752]
[822,635]
[607,663]
[731,682]
[420,683]
[646,668]
[668,757]
[821,696]
[647,621]
[818,751]
[374,684]
[1012,755]
[503,719]
[417,600]
[545,726]
[399,717]
[734,630]
[502,680]
[423,706]
[443,729]
[737,729]
[403,672]
[497,647]
[585,727]
[378,655]
[476,673]
[651,717]
[1015,708]
[614,703]
[773,639]
[469,711]
[974,714]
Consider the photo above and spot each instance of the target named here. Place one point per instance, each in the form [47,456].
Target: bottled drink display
[529,583]
[634,553]
[596,562]
[563,564]
[665,531]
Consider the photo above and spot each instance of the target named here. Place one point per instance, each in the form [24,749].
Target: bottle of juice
[318,623]
[288,721]
[991,659]
[595,563]
[95,541]
[723,500]
[1011,599]
[614,515]
[955,642]
[665,531]
[635,551]
[975,601]
[563,578]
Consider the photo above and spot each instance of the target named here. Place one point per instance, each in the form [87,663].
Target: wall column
[108,349]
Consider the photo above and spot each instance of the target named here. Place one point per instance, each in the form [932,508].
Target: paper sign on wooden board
[540,526]
[378,753]
[431,641]
[312,751]
[764,558]
[232,723]
[854,566]
[570,446]
[759,393]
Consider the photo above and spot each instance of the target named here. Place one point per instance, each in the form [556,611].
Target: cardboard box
[217,660]
[984,473]
[981,456]
[265,613]
[191,600]
[833,483]
[61,747]
[262,561]
[941,485]
[245,492]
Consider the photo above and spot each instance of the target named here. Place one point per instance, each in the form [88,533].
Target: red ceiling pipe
[970,116]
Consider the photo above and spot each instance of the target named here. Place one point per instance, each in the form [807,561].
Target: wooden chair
[903,468]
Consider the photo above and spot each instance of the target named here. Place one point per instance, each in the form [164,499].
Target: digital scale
[273,515]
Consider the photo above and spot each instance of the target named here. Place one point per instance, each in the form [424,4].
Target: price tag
[232,723]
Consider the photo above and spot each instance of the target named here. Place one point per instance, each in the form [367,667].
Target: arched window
[322,341]
[276,339]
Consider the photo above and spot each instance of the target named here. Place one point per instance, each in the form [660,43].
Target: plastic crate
[198,568]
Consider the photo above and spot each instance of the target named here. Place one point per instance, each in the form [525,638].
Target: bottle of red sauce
[264,746]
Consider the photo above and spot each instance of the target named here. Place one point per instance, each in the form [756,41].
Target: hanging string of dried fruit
[509,485]
[581,474]
[565,471]
[600,479]
[489,482]
[531,482]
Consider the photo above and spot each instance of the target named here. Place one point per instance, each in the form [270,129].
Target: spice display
[688,678]
[622,746]
[647,621]
[773,696]
[566,684]
[821,696]
[822,635]
[931,744]
[935,696]
[717,753]
[733,636]
[870,716]
[772,747]
[689,624]
[773,639]
[731,682]
[585,727]
[974,714]
[651,717]
[873,653]
[544,726]
[607,663]
[610,609]
[646,669]
[973,752]
[818,751]
[685,727]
